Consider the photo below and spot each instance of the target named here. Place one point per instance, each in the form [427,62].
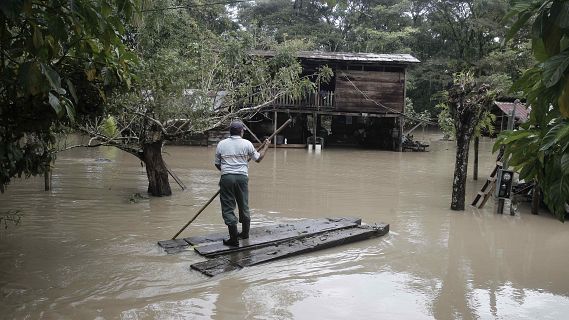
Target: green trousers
[234,190]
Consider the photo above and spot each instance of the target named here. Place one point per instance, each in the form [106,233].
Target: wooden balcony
[323,101]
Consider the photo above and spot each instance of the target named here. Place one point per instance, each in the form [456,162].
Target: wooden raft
[211,245]
[239,259]
[274,242]
[276,234]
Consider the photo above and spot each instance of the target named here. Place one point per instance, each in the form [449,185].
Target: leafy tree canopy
[540,150]
[55,58]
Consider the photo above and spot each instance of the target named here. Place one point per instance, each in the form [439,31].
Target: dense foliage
[540,149]
[55,58]
[60,59]
[195,74]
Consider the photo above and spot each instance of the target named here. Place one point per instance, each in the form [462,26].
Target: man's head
[236,128]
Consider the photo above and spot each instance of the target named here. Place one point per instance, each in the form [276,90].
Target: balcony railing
[311,100]
[323,100]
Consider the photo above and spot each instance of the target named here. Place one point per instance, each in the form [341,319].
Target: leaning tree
[467,102]
[169,101]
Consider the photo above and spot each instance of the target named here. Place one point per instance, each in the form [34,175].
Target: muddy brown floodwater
[86,251]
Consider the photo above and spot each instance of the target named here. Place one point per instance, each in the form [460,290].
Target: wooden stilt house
[363,104]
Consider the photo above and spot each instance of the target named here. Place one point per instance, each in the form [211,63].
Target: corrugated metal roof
[522,113]
[349,56]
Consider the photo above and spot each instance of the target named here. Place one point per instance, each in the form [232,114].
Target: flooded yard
[87,249]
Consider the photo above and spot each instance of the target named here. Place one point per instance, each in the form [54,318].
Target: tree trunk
[158,184]
[463,135]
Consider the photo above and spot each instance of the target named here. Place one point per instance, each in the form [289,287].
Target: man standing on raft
[232,158]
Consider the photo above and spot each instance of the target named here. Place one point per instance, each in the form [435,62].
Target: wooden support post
[400,144]
[47,180]
[315,127]
[275,129]
[535,199]
[500,208]
[476,145]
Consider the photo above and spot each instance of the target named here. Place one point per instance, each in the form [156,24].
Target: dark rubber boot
[245,232]
[233,241]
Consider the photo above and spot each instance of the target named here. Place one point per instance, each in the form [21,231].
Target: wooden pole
[275,129]
[315,127]
[218,191]
[476,145]
[175,177]
[47,180]
[197,214]
[400,143]
[252,133]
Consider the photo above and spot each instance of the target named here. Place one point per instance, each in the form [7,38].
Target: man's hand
[263,149]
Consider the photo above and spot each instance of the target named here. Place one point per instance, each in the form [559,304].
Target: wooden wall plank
[371,75]
[385,88]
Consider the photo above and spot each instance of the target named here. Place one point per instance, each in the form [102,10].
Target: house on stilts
[363,104]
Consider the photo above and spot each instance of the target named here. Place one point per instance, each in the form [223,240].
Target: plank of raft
[173,246]
[215,266]
[241,259]
[277,234]
[283,227]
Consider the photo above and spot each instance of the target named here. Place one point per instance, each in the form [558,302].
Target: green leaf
[562,18]
[555,67]
[520,6]
[522,20]
[109,127]
[106,8]
[11,8]
[556,192]
[528,171]
[71,88]
[551,39]
[538,49]
[516,135]
[565,163]
[563,132]
[55,104]
[37,38]
[550,139]
[52,76]
[69,109]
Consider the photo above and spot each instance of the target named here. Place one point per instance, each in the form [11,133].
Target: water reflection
[84,250]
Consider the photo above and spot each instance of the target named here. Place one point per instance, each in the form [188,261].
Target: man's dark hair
[235,128]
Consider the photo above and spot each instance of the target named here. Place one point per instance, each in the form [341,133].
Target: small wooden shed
[363,103]
[503,109]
